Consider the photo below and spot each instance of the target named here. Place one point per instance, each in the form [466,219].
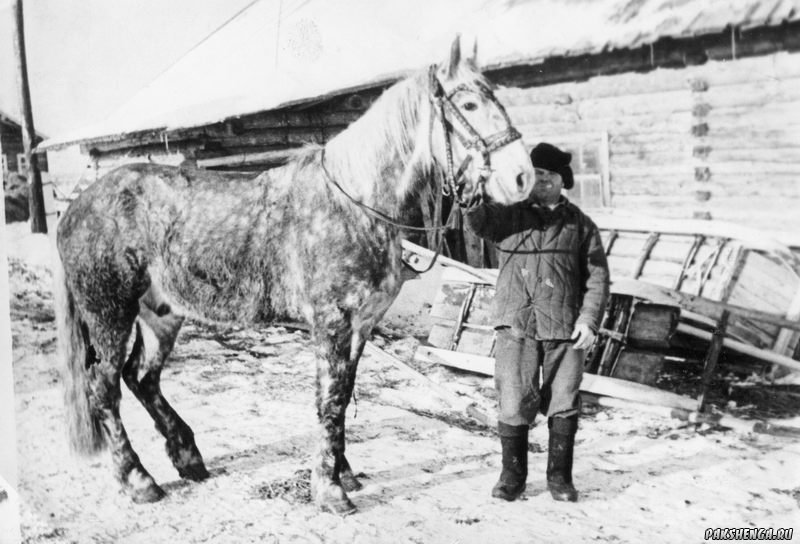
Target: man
[551,292]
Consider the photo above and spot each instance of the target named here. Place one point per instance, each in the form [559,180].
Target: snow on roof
[274,54]
[14,122]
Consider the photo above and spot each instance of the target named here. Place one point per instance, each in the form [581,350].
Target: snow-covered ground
[248,395]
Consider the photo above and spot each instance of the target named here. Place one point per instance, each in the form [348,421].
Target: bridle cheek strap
[469,138]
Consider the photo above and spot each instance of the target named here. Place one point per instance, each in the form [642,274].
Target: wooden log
[676,125]
[308,119]
[630,83]
[249,158]
[745,185]
[772,66]
[752,94]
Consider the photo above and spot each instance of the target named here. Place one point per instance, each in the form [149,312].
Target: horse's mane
[390,130]
[397,126]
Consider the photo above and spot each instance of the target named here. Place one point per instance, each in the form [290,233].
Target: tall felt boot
[514,440]
[559,457]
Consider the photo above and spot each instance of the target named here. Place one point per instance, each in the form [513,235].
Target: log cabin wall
[716,141]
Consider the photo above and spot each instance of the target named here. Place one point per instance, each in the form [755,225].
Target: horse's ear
[473,59]
[455,57]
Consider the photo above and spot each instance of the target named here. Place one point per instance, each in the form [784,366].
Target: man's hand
[583,336]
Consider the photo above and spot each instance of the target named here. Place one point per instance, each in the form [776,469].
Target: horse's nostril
[520,182]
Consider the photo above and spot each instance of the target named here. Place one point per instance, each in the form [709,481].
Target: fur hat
[549,157]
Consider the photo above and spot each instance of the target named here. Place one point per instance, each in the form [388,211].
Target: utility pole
[36,197]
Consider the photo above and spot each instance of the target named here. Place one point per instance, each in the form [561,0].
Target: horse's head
[478,138]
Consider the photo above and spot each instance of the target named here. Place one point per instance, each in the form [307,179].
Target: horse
[317,239]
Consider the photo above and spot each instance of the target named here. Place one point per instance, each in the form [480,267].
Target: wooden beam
[457,402]
[694,303]
[592,383]
[745,349]
[487,276]
[750,238]
[710,363]
[36,205]
[645,254]
[242,159]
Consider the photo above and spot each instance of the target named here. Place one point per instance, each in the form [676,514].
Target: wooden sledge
[723,287]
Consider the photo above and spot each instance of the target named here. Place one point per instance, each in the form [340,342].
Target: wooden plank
[621,309]
[479,364]
[712,357]
[462,313]
[591,383]
[690,256]
[751,238]
[476,341]
[639,366]
[783,343]
[449,301]
[672,248]
[746,349]
[644,254]
[456,401]
[441,333]
[476,274]
[652,325]
[693,303]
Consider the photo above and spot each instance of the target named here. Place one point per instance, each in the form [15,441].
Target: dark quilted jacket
[553,270]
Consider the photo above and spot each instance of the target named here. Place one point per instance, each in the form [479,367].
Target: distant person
[551,293]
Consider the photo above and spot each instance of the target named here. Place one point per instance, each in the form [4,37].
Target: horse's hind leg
[105,397]
[142,375]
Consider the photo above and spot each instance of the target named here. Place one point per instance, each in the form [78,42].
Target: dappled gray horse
[317,240]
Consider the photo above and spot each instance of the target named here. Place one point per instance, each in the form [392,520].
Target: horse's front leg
[334,386]
[347,477]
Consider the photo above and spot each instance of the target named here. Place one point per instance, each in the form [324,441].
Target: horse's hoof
[332,498]
[196,473]
[340,507]
[152,493]
[350,483]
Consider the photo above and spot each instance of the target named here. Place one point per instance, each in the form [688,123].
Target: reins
[452,187]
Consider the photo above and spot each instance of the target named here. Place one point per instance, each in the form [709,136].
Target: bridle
[453,186]
[469,137]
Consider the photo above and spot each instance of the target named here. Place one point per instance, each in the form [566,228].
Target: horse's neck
[377,159]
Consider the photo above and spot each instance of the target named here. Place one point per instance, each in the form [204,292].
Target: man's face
[547,188]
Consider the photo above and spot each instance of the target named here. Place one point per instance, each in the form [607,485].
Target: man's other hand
[583,336]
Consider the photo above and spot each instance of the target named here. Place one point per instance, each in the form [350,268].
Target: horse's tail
[77,355]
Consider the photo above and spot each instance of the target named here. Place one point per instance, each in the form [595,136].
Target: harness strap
[472,140]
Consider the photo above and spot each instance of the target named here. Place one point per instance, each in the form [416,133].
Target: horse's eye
[469,106]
